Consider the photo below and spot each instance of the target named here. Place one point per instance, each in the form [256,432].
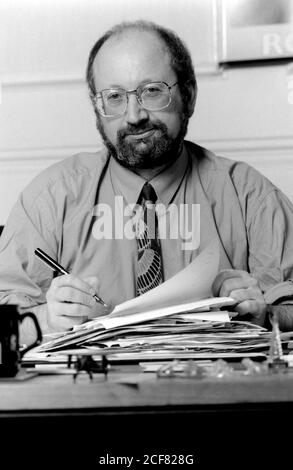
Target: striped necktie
[149,261]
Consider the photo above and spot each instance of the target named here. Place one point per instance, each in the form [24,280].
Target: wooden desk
[219,421]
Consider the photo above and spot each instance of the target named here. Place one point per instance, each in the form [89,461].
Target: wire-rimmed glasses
[152,96]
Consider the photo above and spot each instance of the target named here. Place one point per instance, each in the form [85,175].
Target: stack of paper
[179,318]
[174,337]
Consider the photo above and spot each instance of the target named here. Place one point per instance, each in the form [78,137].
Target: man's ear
[191,100]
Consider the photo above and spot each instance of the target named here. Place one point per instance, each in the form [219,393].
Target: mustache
[140,128]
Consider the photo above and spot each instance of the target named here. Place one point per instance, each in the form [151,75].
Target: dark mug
[10,355]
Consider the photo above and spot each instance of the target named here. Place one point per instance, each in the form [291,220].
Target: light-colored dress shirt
[62,210]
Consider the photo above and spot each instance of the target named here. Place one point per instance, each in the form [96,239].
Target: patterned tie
[149,263]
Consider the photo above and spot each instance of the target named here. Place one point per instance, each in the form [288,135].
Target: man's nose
[135,111]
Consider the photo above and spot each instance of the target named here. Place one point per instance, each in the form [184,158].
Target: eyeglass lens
[152,96]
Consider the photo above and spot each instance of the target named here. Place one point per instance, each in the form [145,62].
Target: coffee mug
[10,355]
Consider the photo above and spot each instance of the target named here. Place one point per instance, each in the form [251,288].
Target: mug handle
[38,329]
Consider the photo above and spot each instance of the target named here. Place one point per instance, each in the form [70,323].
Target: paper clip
[220,369]
[254,368]
[181,369]
[168,370]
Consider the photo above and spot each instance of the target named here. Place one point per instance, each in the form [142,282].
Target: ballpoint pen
[57,267]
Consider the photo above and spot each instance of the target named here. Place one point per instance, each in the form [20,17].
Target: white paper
[191,283]
[186,291]
[216,302]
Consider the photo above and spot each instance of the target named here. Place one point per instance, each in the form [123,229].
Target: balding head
[179,57]
[143,89]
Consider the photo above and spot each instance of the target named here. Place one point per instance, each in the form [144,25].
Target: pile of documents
[176,337]
[176,320]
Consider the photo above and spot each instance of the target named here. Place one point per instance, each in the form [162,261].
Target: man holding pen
[109,217]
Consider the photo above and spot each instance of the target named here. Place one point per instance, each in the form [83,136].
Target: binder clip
[86,363]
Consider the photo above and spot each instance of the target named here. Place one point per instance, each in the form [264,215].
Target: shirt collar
[128,184]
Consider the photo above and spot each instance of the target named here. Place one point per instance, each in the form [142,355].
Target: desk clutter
[173,321]
[179,340]
[214,369]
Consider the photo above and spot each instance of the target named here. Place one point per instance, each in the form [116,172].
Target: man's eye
[152,91]
[115,96]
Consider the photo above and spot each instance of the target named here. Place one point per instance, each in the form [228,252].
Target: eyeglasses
[153,96]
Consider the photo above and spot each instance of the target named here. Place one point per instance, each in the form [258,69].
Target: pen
[57,267]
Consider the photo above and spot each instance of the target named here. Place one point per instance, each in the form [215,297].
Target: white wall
[45,114]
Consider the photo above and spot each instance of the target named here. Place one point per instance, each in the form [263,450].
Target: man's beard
[156,150]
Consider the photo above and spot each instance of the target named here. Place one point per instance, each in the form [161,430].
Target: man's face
[140,138]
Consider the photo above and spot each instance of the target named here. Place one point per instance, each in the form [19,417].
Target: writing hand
[243,288]
[70,301]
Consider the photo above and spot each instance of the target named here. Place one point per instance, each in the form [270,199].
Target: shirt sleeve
[270,237]
[24,279]
[271,248]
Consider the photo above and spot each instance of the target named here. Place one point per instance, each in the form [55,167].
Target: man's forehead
[134,37]
[131,49]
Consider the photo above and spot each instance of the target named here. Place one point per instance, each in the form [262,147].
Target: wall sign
[255,30]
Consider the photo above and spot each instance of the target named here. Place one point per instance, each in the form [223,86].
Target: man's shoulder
[210,164]
[70,175]
[206,160]
[77,164]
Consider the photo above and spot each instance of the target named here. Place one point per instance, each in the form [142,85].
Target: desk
[219,421]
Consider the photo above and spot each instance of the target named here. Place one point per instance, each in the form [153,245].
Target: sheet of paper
[171,355]
[191,283]
[186,291]
[217,302]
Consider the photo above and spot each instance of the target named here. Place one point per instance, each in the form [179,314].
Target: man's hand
[70,302]
[245,290]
